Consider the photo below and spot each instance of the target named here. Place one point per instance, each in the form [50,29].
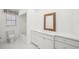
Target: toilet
[11,36]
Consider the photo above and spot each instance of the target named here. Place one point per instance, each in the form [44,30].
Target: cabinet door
[35,38]
[45,43]
[59,45]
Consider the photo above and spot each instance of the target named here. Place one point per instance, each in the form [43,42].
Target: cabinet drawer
[62,45]
[68,41]
[71,47]
[59,45]
[44,36]
[57,38]
[46,44]
[72,42]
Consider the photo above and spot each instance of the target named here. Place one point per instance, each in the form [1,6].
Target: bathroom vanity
[48,40]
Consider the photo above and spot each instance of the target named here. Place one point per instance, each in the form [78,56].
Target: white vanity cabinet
[41,40]
[53,41]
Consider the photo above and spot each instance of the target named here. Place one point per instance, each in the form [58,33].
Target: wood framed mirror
[50,21]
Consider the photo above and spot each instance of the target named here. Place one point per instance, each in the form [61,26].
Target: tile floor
[18,44]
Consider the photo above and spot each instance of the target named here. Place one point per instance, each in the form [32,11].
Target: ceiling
[13,11]
[16,10]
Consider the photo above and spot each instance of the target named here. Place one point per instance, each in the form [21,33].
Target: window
[11,19]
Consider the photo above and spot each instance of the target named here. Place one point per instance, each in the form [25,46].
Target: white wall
[63,18]
[67,20]
[30,16]
[1,26]
[22,23]
[76,22]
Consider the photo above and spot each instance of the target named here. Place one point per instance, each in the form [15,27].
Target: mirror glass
[49,22]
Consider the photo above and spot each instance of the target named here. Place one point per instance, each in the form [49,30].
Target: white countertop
[66,35]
